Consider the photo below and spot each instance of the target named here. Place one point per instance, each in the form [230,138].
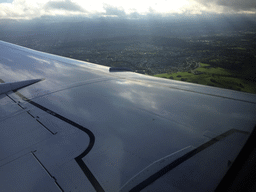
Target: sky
[133,9]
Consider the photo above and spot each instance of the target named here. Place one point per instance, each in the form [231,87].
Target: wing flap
[204,170]
[153,169]
[26,174]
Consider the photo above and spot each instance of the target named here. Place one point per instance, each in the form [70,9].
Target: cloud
[19,9]
[134,15]
[30,9]
[63,5]
[6,1]
[235,5]
[114,11]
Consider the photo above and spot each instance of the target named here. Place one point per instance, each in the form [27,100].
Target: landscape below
[225,59]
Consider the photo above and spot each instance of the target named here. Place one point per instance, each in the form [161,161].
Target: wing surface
[85,128]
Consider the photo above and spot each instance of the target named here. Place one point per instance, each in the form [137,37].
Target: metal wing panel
[122,122]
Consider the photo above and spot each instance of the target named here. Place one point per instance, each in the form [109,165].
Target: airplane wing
[69,125]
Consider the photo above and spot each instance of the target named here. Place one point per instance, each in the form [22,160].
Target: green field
[213,76]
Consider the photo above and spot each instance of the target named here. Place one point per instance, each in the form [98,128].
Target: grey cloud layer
[237,5]
[114,11]
[63,5]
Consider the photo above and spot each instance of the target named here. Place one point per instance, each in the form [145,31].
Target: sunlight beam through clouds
[28,9]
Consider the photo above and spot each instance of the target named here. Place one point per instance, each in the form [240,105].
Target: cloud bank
[234,5]
[29,9]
